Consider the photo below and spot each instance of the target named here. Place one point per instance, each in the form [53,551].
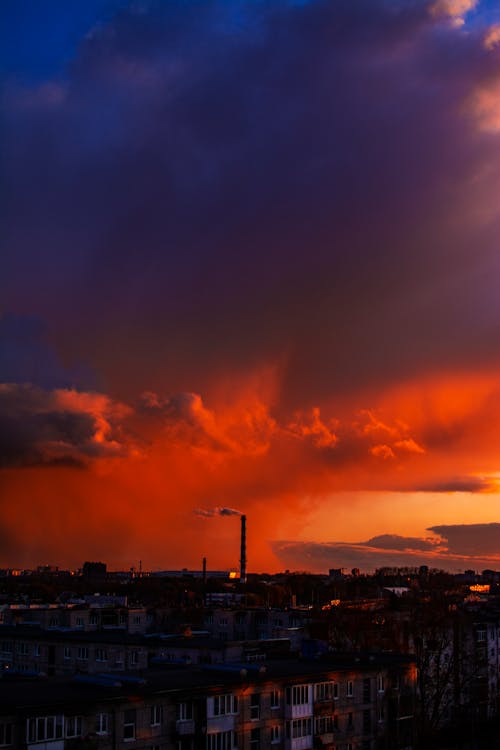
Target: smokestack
[204,581]
[243,553]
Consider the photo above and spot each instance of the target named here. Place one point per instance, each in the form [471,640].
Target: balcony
[299,711]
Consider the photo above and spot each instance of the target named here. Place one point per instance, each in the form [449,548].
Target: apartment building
[239,624]
[82,616]
[26,649]
[347,704]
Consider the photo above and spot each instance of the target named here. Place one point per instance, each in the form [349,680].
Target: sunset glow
[251,267]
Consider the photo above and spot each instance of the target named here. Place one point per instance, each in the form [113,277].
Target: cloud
[484,105]
[460,484]
[188,135]
[465,545]
[58,427]
[303,188]
[454,10]
[470,539]
[492,37]
[396,542]
[311,426]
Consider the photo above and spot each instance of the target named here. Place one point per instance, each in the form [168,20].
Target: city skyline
[250,261]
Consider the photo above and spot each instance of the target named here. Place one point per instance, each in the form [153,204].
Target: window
[380,683]
[94,618]
[129,724]
[43,728]
[275,698]
[335,691]
[298,728]
[23,648]
[481,634]
[156,715]
[335,723]
[255,738]
[255,706]
[7,647]
[367,721]
[184,711]
[74,726]
[381,714]
[209,619]
[367,690]
[137,619]
[134,657]
[101,654]
[53,622]
[350,720]
[221,741]
[275,735]
[225,704]
[223,622]
[5,734]
[37,650]
[297,695]
[82,653]
[119,657]
[102,723]
[323,691]
[67,652]
[80,622]
[323,725]
[350,689]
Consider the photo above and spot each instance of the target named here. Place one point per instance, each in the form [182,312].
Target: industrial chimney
[243,552]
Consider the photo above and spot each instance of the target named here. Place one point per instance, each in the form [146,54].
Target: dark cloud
[459,484]
[470,539]
[57,428]
[232,184]
[395,542]
[396,551]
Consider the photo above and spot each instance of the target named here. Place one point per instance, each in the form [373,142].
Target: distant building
[94,570]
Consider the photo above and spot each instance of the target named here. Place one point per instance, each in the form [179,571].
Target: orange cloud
[453,10]
[492,37]
[484,105]
[431,435]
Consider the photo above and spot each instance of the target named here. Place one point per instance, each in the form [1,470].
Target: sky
[250,260]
